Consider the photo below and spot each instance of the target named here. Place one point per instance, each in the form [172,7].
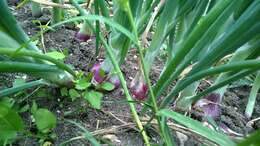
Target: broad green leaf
[73,94]
[212,135]
[56,55]
[10,123]
[94,98]
[64,91]
[107,86]
[7,101]
[82,84]
[45,120]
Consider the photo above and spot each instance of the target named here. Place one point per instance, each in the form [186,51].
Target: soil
[82,57]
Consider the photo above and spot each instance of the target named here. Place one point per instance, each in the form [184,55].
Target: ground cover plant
[121,72]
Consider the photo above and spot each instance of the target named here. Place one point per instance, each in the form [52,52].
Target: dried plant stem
[150,23]
[52,4]
[173,126]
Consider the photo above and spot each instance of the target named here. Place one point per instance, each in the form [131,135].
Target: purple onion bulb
[139,90]
[82,36]
[96,70]
[114,79]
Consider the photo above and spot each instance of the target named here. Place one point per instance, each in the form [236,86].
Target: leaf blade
[198,127]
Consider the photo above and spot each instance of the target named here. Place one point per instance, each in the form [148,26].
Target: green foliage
[34,107]
[88,91]
[123,4]
[20,86]
[252,97]
[198,127]
[10,123]
[94,98]
[57,13]
[107,86]
[64,91]
[45,120]
[82,84]
[73,94]
[197,35]
[15,43]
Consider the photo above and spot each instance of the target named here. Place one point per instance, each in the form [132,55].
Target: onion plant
[197,35]
[20,54]
[57,13]
[85,32]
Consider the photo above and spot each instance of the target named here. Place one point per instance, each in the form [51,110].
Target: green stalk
[23,49]
[145,72]
[10,52]
[252,97]
[109,22]
[160,33]
[110,53]
[241,54]
[87,26]
[246,26]
[48,72]
[36,9]
[191,99]
[104,10]
[237,66]
[57,13]
[127,94]
[12,27]
[8,91]
[187,45]
[243,6]
[96,4]
[11,66]
[201,46]
[221,47]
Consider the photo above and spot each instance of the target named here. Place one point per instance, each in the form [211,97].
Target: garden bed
[113,121]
